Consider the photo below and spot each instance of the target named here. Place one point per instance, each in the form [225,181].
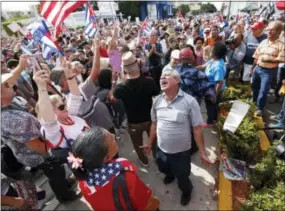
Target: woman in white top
[59,123]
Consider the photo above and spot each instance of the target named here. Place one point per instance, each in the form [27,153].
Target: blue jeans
[213,108]
[261,82]
[177,165]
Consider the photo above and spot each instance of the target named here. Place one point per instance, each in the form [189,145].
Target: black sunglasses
[61,107]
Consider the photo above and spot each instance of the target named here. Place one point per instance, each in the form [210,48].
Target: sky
[24,5]
[17,6]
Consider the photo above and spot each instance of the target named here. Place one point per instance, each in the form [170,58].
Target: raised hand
[23,63]
[41,78]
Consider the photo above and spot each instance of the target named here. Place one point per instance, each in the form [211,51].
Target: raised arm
[23,63]
[70,76]
[75,99]
[96,60]
[45,107]
[113,43]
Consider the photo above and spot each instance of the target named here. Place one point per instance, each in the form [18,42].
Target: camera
[230,41]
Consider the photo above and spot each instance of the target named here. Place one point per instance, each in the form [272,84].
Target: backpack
[9,163]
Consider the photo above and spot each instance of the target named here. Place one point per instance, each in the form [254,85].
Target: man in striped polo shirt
[267,56]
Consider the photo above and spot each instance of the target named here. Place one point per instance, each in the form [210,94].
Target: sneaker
[205,124]
[278,125]
[144,163]
[276,117]
[258,113]
[185,199]
[167,180]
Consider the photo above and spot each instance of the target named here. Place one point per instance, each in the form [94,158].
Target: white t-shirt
[55,138]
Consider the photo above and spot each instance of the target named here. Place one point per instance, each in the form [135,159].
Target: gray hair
[91,147]
[173,73]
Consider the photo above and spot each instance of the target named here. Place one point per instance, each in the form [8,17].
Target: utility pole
[229,11]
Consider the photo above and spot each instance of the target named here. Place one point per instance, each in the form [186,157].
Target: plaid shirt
[195,83]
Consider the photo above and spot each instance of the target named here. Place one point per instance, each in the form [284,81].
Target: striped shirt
[270,50]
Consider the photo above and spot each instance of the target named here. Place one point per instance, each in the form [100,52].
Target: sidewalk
[203,179]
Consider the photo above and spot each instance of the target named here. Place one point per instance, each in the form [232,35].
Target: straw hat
[128,59]
[170,31]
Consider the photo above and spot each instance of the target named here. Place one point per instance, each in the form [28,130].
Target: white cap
[5,77]
[175,54]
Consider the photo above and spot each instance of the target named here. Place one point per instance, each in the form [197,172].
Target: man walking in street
[136,93]
[174,114]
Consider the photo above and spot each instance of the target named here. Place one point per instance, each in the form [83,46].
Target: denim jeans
[261,82]
[213,108]
[177,165]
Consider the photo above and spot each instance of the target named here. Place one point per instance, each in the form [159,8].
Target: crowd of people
[70,109]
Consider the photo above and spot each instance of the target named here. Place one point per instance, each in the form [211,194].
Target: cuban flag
[42,35]
[90,24]
[146,26]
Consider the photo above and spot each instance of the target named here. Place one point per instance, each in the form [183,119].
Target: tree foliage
[208,8]
[183,8]
[130,8]
[205,8]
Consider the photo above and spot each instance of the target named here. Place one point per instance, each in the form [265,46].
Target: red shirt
[103,52]
[101,198]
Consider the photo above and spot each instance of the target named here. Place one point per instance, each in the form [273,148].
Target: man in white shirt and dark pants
[173,114]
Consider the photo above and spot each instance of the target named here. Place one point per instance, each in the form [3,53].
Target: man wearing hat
[20,131]
[173,44]
[154,53]
[136,93]
[252,41]
[175,60]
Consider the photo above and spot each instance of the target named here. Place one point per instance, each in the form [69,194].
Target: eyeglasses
[61,107]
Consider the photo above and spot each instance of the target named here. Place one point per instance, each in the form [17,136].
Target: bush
[244,143]
[267,199]
[269,171]
[237,91]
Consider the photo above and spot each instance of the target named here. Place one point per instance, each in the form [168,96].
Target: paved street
[203,179]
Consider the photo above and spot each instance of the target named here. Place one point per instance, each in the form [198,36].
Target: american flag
[102,176]
[90,24]
[55,12]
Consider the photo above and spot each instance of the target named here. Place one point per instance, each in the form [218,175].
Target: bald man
[267,56]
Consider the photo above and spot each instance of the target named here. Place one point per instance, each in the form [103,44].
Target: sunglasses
[61,107]
[6,85]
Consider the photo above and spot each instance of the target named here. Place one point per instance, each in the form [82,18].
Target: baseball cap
[186,53]
[175,54]
[5,77]
[258,25]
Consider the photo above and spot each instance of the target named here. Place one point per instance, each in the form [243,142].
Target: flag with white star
[101,176]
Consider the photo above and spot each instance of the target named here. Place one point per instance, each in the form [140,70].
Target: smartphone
[35,64]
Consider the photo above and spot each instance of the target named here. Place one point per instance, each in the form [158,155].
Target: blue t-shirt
[215,72]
